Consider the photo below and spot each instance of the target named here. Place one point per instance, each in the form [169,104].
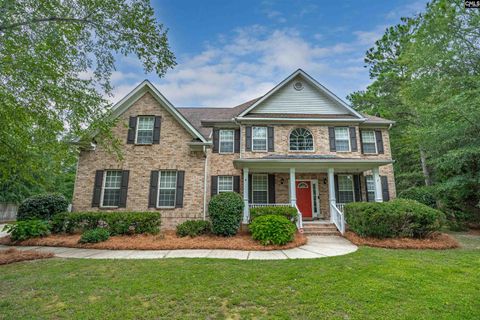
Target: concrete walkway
[316,247]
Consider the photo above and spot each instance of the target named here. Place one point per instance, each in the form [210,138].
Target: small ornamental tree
[225,211]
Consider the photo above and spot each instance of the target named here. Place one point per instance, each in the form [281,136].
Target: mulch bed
[13,255]
[164,241]
[438,241]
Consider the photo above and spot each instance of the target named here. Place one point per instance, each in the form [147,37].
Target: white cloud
[252,60]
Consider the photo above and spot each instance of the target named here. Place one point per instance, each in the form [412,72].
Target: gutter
[300,119]
[205,173]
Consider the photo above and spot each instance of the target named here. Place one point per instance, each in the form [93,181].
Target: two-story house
[298,145]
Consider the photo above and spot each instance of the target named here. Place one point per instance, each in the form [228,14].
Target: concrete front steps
[319,228]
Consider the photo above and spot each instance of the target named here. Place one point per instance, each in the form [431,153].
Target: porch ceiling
[309,165]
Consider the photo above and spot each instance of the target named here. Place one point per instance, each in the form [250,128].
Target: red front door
[304,198]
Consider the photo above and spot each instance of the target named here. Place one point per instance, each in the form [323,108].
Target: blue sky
[229,52]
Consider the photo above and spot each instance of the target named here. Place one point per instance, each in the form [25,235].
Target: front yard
[371,283]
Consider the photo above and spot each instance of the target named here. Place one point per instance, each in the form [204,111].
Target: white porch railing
[341,207]
[299,218]
[338,218]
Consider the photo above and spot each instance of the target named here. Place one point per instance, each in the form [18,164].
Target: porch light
[282,181]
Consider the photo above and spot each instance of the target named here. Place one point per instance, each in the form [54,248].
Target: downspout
[205,183]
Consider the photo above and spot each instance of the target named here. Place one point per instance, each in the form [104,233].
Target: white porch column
[246,210]
[293,193]
[378,185]
[331,190]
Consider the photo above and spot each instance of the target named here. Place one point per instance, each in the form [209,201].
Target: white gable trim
[312,81]
[146,86]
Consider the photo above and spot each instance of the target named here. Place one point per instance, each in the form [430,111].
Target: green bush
[194,228]
[94,236]
[425,195]
[42,207]
[272,229]
[396,218]
[23,230]
[114,222]
[225,211]
[288,212]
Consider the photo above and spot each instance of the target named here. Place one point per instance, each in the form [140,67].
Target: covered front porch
[317,187]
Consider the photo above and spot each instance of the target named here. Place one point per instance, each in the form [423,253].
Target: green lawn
[371,283]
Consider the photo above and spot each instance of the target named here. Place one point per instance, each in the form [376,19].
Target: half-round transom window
[301,140]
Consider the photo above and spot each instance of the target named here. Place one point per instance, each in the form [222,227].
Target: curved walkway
[316,247]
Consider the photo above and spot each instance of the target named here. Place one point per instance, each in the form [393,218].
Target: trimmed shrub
[425,195]
[114,222]
[42,206]
[225,211]
[272,229]
[396,218]
[288,212]
[23,230]
[194,228]
[94,236]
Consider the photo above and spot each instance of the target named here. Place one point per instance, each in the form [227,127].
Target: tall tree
[56,60]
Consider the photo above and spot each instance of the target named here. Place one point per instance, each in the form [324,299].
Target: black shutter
[180,187]
[336,187]
[215,140]
[271,141]
[250,191]
[331,137]
[385,193]
[124,189]
[153,192]
[361,141]
[271,188]
[97,188]
[236,184]
[237,141]
[379,138]
[132,126]
[356,187]
[353,139]
[248,138]
[366,189]
[156,130]
[214,186]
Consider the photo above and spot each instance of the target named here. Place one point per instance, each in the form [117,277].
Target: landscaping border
[437,241]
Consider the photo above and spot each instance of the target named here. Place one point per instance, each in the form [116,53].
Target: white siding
[309,100]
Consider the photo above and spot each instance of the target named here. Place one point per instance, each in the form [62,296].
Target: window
[342,139]
[259,139]
[111,188]
[369,143]
[370,188]
[259,188]
[301,140]
[345,189]
[167,187]
[145,130]
[226,141]
[225,184]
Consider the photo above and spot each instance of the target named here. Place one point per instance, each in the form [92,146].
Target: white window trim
[266,139]
[220,141]
[374,141]
[259,174]
[313,141]
[158,190]
[103,189]
[366,188]
[136,130]
[349,140]
[218,184]
[353,186]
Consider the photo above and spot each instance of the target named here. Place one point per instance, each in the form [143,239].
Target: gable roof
[314,83]
[146,86]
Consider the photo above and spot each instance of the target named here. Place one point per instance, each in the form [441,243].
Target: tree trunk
[425,169]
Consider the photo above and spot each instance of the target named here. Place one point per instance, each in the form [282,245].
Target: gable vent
[298,86]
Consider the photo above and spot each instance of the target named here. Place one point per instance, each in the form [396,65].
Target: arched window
[301,140]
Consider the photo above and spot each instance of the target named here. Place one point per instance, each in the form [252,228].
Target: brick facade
[174,153]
